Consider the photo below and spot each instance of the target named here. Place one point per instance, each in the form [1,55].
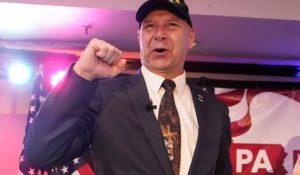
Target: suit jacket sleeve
[61,130]
[224,166]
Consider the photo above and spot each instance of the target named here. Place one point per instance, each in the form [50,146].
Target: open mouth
[160,50]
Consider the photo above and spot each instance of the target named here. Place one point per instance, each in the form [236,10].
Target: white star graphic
[32,109]
[39,172]
[32,97]
[41,86]
[76,161]
[31,171]
[22,158]
[64,169]
[30,120]
[42,99]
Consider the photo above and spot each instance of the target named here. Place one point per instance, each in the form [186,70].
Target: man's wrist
[83,74]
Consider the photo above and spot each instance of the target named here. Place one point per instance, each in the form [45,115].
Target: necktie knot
[168,85]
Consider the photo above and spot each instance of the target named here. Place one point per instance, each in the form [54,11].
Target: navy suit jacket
[110,118]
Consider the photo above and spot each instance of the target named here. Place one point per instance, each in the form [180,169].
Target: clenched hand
[99,60]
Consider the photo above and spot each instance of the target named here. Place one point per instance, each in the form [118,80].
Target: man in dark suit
[118,118]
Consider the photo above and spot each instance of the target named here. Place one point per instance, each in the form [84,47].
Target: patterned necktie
[168,119]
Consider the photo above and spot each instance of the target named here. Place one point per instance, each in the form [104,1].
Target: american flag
[76,167]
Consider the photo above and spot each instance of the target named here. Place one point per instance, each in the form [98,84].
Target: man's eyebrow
[174,20]
[168,20]
[147,21]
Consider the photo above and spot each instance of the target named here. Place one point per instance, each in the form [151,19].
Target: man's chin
[160,65]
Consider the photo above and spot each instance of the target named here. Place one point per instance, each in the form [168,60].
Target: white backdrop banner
[265,128]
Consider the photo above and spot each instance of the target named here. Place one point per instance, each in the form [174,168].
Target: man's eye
[173,24]
[148,26]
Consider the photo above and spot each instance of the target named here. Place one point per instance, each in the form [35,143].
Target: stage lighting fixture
[298,72]
[19,74]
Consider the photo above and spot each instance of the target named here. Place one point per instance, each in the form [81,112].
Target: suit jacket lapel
[201,112]
[138,94]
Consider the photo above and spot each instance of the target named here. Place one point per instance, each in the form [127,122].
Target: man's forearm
[57,134]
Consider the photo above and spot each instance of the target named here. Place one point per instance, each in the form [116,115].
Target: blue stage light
[298,72]
[19,74]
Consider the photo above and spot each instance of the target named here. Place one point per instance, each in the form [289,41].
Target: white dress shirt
[186,110]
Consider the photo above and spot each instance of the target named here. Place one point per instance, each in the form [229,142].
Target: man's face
[164,42]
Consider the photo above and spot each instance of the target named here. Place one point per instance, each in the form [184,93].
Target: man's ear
[138,35]
[192,38]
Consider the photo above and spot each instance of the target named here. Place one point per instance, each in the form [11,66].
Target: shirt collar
[154,81]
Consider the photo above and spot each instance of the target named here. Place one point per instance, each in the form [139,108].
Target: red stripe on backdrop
[85,170]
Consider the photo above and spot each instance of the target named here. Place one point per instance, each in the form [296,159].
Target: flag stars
[32,109]
[30,120]
[31,171]
[37,97]
[64,169]
[39,172]
[76,161]
[22,158]
[42,99]
[33,97]
[41,86]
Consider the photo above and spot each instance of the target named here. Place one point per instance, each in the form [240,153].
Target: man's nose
[160,34]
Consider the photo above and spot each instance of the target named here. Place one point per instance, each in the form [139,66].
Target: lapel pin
[200,98]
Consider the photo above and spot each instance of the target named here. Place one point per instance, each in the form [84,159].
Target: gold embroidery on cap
[175,1]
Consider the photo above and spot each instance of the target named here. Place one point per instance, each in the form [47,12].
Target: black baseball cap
[177,7]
